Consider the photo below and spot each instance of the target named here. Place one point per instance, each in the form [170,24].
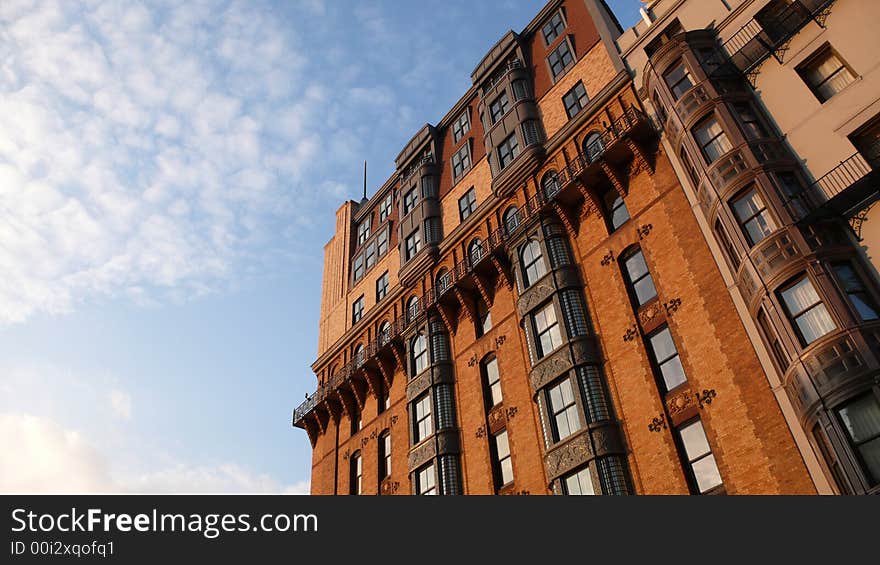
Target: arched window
[384,455]
[532,259]
[443,280]
[356,472]
[638,277]
[593,146]
[491,380]
[418,348]
[475,250]
[484,318]
[358,355]
[384,332]
[412,308]
[550,184]
[511,219]
[615,209]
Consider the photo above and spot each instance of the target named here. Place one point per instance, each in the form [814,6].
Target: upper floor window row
[369,257]
[553,28]
[499,107]
[461,126]
[560,60]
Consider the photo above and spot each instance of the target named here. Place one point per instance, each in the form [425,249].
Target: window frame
[428,470]
[658,363]
[491,383]
[855,447]
[569,407]
[412,244]
[386,206]
[816,60]
[469,199]
[525,267]
[578,101]
[611,209]
[508,150]
[711,117]
[631,284]
[870,300]
[499,459]
[499,107]
[357,310]
[554,27]
[381,287]
[364,229]
[418,358]
[550,306]
[691,462]
[563,481]
[459,130]
[461,162]
[687,75]
[793,318]
[356,473]
[410,200]
[423,424]
[384,458]
[763,214]
[560,58]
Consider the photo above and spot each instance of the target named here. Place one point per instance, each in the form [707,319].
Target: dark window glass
[773,340]
[511,219]
[594,147]
[547,330]
[363,230]
[503,463]
[413,245]
[358,356]
[751,125]
[467,204]
[499,107]
[384,454]
[711,138]
[666,357]
[726,244]
[826,74]
[409,200]
[424,424]
[660,109]
[508,150]
[701,461]
[639,278]
[550,184]
[382,287]
[384,333]
[861,300]
[443,280]
[560,60]
[520,92]
[358,267]
[533,264]
[806,311]
[678,79]
[461,161]
[382,242]
[385,208]
[370,254]
[356,422]
[578,483]
[575,99]
[861,421]
[563,410]
[412,309]
[753,217]
[615,208]
[553,27]
[689,167]
[419,354]
[461,126]
[475,251]
[357,310]
[493,380]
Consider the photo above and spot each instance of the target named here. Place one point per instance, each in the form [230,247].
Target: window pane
[861,418]
[694,439]
[706,473]
[579,483]
[645,290]
[815,323]
[663,346]
[800,297]
[636,266]
[502,447]
[673,373]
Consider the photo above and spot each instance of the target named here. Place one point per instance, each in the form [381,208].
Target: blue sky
[169,173]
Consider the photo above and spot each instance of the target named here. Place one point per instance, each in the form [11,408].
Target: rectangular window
[751,124]
[726,244]
[384,455]
[358,267]
[364,230]
[467,204]
[553,28]
[546,330]
[385,208]
[615,209]
[493,381]
[575,99]
[508,150]
[461,161]
[357,310]
[563,410]
[382,242]
[826,74]
[357,474]
[531,133]
[859,297]
[409,201]
[753,217]
[639,278]
[712,139]
[520,90]
[689,167]
[382,287]
[460,126]
[806,311]
[678,79]
[370,254]
[578,483]
[861,421]
[701,461]
[793,191]
[503,462]
[426,480]
[773,340]
[499,107]
[423,425]
[666,357]
[560,60]
[413,244]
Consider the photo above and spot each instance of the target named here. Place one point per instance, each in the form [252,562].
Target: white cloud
[120,402]
[40,456]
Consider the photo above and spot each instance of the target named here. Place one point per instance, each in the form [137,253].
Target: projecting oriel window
[502,463]
[532,260]
[423,424]
[492,380]
[499,107]
[861,421]
[553,28]
[861,300]
[461,161]
[410,199]
[560,60]
[357,310]
[638,278]
[666,358]
[826,73]
[461,126]
[564,416]
[805,310]
[751,124]
[413,244]
[426,480]
[578,483]
[711,138]
[508,150]
[382,287]
[575,99]
[752,215]
[385,207]
[467,204]
[678,79]
[701,462]
[364,230]
[548,336]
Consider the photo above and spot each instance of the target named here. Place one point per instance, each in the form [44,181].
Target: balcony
[846,186]
[769,32]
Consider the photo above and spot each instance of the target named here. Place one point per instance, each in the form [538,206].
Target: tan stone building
[770,111]
[530,305]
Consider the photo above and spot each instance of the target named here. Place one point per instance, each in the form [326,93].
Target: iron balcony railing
[767,33]
[495,243]
[841,177]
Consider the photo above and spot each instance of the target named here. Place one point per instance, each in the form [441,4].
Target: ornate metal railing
[841,177]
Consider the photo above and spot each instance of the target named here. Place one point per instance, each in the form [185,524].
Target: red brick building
[529,306]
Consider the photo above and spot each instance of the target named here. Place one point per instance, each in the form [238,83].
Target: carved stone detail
[571,454]
[421,454]
[650,312]
[534,296]
[680,402]
[550,368]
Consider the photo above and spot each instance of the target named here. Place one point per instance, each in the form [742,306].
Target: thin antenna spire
[365,179]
